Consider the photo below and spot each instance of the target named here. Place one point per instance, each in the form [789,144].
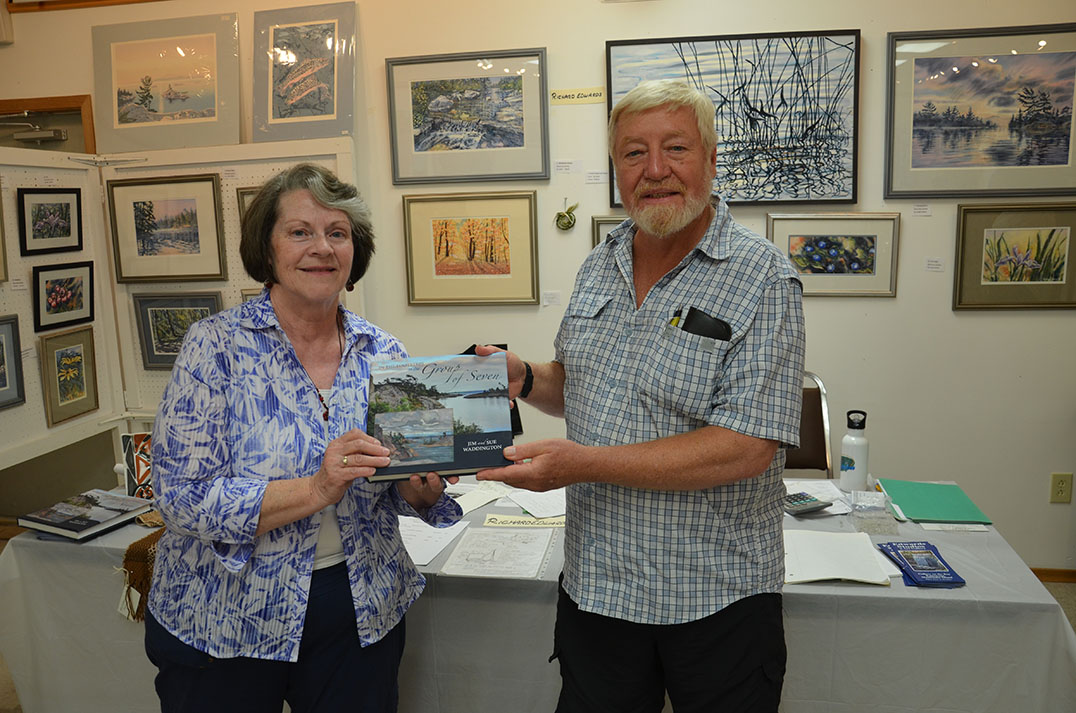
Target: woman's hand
[353,455]
[421,492]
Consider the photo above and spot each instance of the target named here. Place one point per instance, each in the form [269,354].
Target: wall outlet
[1061,487]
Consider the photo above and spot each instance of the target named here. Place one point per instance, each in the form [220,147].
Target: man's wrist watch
[528,381]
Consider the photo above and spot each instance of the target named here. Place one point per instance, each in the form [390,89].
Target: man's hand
[542,465]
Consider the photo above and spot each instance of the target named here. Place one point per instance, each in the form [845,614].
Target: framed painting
[983,112]
[786,107]
[840,254]
[63,295]
[12,392]
[473,116]
[1015,256]
[304,72]
[243,197]
[162,84]
[251,293]
[68,374]
[163,320]
[472,248]
[167,228]
[600,225]
[50,220]
[3,246]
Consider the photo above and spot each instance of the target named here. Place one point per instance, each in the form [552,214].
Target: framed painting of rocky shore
[166,83]
[981,112]
[304,76]
[474,116]
[167,228]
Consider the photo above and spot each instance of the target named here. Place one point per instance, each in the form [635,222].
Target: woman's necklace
[340,341]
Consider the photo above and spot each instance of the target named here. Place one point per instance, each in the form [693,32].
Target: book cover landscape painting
[171,79]
[785,107]
[993,111]
[448,414]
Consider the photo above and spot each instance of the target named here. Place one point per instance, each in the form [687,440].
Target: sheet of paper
[496,520]
[547,504]
[954,526]
[486,492]
[516,553]
[424,542]
[812,556]
[823,489]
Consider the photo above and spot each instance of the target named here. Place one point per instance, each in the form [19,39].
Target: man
[678,371]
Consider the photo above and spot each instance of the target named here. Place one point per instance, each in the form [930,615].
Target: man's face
[662,170]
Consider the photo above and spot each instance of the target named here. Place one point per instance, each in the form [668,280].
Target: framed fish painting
[304,72]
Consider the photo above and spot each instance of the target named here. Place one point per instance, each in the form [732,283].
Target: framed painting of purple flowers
[840,254]
[63,295]
[1015,256]
[50,220]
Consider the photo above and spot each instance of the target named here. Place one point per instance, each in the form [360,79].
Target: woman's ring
[344,460]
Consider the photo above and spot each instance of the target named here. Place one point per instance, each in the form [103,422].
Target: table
[998,645]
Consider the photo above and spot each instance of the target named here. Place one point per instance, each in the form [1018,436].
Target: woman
[281,574]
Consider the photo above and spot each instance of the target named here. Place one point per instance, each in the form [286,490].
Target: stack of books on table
[921,564]
[86,515]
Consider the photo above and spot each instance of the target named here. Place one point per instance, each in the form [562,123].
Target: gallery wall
[985,398]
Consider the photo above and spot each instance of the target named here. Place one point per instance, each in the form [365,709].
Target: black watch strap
[528,382]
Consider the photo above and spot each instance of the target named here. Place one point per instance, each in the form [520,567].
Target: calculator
[800,503]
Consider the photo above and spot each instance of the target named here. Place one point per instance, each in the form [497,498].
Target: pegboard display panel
[24,428]
[243,166]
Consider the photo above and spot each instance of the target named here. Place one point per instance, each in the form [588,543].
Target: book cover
[932,502]
[921,564]
[86,515]
[448,414]
[137,459]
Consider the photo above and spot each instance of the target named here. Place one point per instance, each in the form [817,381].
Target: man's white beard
[663,221]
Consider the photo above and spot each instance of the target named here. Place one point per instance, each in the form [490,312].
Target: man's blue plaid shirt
[665,557]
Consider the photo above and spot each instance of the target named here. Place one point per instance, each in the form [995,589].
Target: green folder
[932,502]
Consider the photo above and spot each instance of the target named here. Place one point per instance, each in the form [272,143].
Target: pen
[676,317]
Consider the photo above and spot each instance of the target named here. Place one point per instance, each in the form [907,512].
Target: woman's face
[311,249]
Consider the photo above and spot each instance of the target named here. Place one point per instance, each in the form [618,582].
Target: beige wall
[984,398]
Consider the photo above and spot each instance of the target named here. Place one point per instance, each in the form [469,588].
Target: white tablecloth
[999,645]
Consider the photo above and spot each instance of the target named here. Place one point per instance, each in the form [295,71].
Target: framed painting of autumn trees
[981,112]
[472,248]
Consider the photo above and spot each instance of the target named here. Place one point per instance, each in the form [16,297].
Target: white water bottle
[854,452]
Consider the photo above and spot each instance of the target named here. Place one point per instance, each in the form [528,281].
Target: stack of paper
[812,556]
[931,502]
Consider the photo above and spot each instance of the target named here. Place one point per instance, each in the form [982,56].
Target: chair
[814,450]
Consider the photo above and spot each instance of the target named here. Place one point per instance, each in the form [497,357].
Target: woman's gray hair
[256,227]
[674,93]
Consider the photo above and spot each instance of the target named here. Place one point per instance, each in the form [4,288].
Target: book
[814,555]
[86,515]
[921,564]
[931,502]
[137,459]
[448,414]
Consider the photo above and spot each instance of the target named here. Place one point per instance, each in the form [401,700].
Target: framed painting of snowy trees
[167,228]
[472,248]
[981,112]
[163,84]
[474,116]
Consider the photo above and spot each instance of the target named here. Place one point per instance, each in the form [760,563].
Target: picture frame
[247,294]
[998,99]
[600,225]
[3,245]
[304,72]
[50,220]
[786,107]
[167,228]
[163,319]
[840,254]
[498,229]
[68,374]
[434,102]
[196,59]
[1015,256]
[40,5]
[243,197]
[63,295]
[12,386]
